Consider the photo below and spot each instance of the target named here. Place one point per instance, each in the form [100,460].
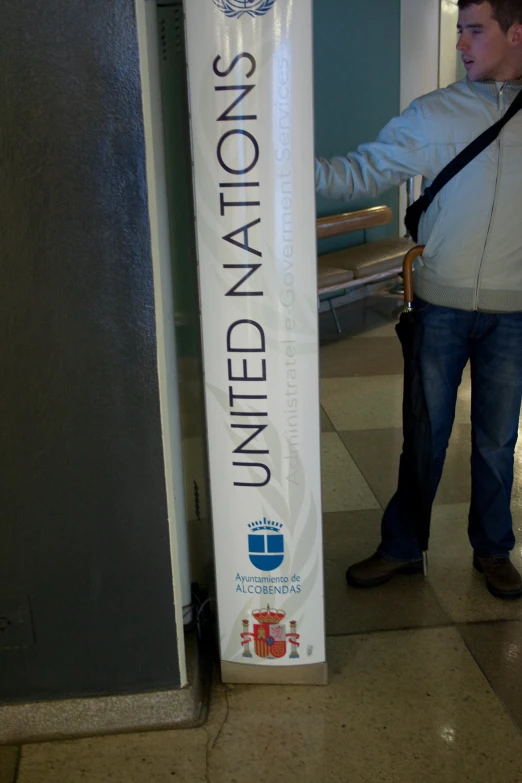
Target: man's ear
[515,34]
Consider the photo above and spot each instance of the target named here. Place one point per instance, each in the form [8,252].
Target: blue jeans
[492,342]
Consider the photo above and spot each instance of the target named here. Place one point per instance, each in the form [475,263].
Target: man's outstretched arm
[402,150]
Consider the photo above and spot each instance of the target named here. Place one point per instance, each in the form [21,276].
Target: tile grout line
[379,504]
[439,601]
[443,626]
[18,764]
[495,621]
[499,699]
[401,629]
[450,624]
[329,420]
[442,606]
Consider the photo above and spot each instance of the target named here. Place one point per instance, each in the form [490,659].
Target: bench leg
[337,324]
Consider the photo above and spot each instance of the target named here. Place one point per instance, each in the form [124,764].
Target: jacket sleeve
[400,152]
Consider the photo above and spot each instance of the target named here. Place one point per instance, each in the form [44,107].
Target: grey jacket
[473,228]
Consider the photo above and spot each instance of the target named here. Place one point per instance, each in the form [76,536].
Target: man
[469,284]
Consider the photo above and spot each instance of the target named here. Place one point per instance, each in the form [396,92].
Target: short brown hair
[506,12]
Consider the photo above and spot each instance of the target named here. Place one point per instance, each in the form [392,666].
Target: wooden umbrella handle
[407,271]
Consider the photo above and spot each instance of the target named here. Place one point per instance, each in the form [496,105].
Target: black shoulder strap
[470,152]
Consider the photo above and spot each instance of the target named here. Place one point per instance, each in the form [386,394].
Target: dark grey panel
[83,529]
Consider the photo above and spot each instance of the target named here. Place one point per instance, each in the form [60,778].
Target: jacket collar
[488,89]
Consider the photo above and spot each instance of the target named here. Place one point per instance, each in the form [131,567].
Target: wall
[86,584]
[419,48]
[451,66]
[419,57]
[449,13]
[357,89]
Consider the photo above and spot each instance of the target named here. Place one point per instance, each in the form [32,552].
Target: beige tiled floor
[425,675]
[498,646]
[375,402]
[383,357]
[344,487]
[376,453]
[137,758]
[401,706]
[458,586]
[8,764]
[407,602]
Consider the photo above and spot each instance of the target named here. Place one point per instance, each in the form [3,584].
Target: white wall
[448,70]
[420,25]
[419,48]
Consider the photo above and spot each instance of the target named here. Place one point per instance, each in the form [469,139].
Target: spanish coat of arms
[269,635]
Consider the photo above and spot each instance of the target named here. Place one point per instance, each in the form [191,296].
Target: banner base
[241,674]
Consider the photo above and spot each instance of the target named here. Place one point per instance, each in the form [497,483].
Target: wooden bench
[371,262]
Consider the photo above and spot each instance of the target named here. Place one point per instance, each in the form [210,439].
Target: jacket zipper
[499,145]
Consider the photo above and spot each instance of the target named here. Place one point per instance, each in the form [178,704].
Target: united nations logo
[236,8]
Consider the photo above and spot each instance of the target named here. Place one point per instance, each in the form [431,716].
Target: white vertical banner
[251,96]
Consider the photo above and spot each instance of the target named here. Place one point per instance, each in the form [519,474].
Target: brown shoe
[378,569]
[502,578]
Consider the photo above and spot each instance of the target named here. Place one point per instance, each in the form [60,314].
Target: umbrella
[415,471]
